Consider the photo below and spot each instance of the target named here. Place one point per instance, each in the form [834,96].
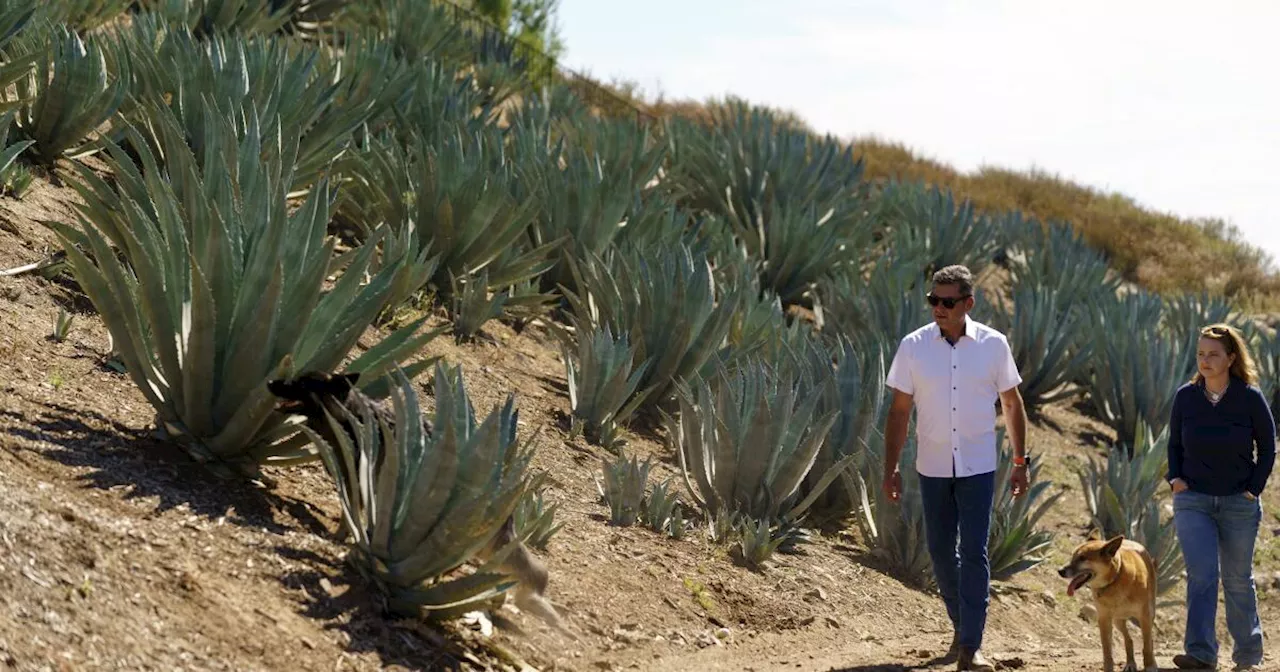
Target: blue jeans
[960,507]
[1217,536]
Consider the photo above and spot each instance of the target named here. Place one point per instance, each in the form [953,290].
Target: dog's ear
[1094,535]
[1113,545]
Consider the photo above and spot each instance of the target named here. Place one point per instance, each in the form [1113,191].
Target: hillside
[1158,251]
[261,205]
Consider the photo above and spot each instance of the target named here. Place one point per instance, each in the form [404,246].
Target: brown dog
[1122,577]
[311,394]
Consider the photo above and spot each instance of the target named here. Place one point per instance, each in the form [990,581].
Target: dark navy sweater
[1212,447]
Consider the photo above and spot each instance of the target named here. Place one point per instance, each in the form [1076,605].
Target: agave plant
[534,521]
[1050,340]
[889,303]
[17,57]
[68,95]
[855,392]
[422,503]
[796,202]
[207,18]
[1056,256]
[747,436]
[214,286]
[14,177]
[603,376]
[456,197]
[929,226]
[1015,543]
[1123,497]
[1138,366]
[1186,313]
[294,90]
[893,530]
[665,300]
[591,200]
[1266,350]
[623,487]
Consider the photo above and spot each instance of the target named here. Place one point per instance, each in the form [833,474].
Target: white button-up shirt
[955,389]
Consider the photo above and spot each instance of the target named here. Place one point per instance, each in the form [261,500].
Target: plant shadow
[334,594]
[123,458]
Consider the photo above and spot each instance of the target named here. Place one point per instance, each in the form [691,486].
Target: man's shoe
[1248,667]
[973,660]
[1188,662]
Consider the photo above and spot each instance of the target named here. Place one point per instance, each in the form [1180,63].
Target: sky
[1175,104]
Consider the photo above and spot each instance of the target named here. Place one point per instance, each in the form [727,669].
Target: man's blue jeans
[960,507]
[1217,535]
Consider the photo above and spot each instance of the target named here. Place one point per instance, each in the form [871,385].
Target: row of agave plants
[275,186]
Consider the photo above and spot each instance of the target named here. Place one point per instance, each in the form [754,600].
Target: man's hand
[1019,480]
[893,485]
[1178,485]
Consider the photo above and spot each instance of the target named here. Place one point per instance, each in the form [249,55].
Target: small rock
[1089,613]
[831,620]
[817,594]
[1048,598]
[723,634]
[808,620]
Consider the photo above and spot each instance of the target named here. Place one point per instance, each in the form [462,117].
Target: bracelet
[1021,461]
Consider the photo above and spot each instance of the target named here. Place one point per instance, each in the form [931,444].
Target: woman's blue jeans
[959,509]
[1217,536]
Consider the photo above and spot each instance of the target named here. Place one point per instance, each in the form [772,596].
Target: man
[952,371]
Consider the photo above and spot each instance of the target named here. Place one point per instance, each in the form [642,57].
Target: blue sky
[1175,104]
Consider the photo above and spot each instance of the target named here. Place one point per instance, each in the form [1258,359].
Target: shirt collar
[970,329]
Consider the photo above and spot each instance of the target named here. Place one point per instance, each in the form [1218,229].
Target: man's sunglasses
[948,302]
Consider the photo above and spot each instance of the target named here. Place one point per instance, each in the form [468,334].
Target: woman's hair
[1233,342]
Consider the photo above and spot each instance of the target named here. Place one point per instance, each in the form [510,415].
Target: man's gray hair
[955,274]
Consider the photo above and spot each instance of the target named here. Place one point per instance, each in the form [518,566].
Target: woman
[1217,421]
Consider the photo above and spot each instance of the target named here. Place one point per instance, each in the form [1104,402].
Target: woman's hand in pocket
[1178,485]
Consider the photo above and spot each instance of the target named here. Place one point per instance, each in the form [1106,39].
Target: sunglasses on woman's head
[947,302]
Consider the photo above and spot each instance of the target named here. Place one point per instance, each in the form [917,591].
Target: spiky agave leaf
[221,287]
[1050,339]
[534,521]
[667,302]
[795,201]
[1123,497]
[603,376]
[1055,255]
[589,201]
[625,481]
[292,89]
[893,531]
[1015,542]
[422,504]
[855,392]
[934,228]
[69,93]
[747,438]
[1137,364]
[456,196]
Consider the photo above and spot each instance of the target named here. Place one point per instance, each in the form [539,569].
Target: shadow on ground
[120,457]
[337,596]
